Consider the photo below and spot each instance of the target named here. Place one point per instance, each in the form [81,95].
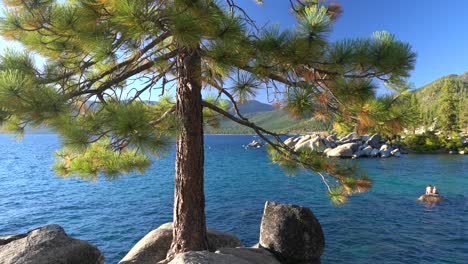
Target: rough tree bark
[189,198]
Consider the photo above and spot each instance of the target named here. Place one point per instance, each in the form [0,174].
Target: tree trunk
[189,198]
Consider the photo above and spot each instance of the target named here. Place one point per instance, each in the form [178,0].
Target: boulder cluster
[46,245]
[289,234]
[349,146]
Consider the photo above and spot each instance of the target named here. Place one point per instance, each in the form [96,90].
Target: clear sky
[437,29]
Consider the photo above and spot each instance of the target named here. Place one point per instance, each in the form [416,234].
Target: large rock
[325,151]
[303,139]
[396,152]
[374,141]
[7,239]
[367,151]
[358,154]
[292,233]
[345,150]
[365,138]
[385,153]
[386,147]
[154,246]
[253,255]
[302,143]
[227,256]
[350,137]
[290,142]
[46,245]
[205,257]
[375,152]
[318,144]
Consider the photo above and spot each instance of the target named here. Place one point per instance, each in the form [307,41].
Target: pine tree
[448,109]
[103,58]
[463,112]
[416,118]
[463,115]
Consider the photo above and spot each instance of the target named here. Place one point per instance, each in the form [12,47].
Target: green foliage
[211,117]
[464,115]
[386,115]
[99,158]
[102,57]
[343,181]
[300,103]
[422,143]
[245,86]
[448,109]
[429,142]
[430,100]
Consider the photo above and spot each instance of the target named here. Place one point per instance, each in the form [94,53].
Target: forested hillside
[430,99]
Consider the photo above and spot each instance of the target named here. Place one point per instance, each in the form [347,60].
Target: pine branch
[123,76]
[163,116]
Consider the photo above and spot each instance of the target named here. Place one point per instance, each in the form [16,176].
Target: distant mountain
[252,107]
[268,117]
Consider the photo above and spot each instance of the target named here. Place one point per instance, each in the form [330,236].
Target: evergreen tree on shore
[103,58]
[448,119]
[463,108]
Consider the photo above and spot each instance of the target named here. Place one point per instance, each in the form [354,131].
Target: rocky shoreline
[289,234]
[349,146]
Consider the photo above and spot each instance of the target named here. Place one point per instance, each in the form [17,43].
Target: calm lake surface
[385,225]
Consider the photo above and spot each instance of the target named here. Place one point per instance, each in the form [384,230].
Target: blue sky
[437,30]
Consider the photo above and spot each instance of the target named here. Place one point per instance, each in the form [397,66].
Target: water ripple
[384,225]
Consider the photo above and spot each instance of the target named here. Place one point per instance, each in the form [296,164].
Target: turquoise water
[385,225]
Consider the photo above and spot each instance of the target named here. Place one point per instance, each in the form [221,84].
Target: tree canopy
[103,56]
[104,59]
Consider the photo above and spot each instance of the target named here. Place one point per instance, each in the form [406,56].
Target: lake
[385,225]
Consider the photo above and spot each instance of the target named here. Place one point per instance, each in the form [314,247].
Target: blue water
[385,225]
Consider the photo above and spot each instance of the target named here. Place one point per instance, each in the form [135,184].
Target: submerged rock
[359,154]
[396,152]
[385,153]
[431,198]
[154,246]
[292,233]
[255,144]
[46,245]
